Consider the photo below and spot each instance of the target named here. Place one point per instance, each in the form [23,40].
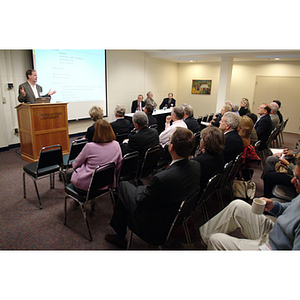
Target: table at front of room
[159,115]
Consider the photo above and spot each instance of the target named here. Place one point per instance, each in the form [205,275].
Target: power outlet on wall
[16,130]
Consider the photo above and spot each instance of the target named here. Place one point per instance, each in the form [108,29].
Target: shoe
[116,240]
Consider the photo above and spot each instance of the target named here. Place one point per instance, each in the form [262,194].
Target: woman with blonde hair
[96,113]
[103,149]
[244,107]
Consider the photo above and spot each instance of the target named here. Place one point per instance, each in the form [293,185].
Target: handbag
[244,189]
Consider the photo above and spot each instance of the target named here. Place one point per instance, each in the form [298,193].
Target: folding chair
[103,176]
[210,117]
[50,161]
[120,137]
[185,210]
[129,167]
[197,142]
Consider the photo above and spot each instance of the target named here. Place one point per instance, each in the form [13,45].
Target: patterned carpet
[23,226]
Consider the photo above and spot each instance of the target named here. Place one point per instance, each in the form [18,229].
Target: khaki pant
[237,214]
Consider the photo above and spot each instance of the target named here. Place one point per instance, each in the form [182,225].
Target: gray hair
[232,119]
[188,109]
[140,118]
[178,112]
[235,106]
[274,107]
[120,110]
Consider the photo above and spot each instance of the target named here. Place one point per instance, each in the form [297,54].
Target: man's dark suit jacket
[211,164]
[158,202]
[233,146]
[29,97]
[166,102]
[120,126]
[134,105]
[141,142]
[263,129]
[90,133]
[151,120]
[192,124]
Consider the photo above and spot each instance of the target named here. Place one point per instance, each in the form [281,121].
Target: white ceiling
[185,56]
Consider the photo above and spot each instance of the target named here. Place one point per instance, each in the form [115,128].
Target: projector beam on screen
[77,76]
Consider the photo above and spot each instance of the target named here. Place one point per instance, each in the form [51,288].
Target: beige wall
[132,72]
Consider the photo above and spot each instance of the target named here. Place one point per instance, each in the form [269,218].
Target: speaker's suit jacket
[263,128]
[153,207]
[233,145]
[29,97]
[134,105]
[166,102]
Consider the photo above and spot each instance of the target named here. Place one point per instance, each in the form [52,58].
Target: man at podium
[29,91]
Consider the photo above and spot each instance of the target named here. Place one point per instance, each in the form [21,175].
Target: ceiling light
[277,58]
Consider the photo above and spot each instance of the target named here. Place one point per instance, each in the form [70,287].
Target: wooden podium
[40,125]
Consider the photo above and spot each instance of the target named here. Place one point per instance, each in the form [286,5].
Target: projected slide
[77,76]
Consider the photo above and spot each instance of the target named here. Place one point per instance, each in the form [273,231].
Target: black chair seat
[284,192]
[31,169]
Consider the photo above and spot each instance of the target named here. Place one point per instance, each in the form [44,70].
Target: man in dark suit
[138,105]
[148,110]
[263,125]
[29,91]
[149,210]
[189,119]
[121,125]
[168,102]
[233,141]
[142,140]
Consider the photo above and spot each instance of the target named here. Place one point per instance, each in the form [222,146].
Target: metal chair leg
[65,218]
[186,232]
[24,185]
[129,240]
[86,221]
[37,192]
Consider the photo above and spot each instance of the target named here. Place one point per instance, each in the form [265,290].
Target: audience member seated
[138,105]
[216,119]
[120,125]
[233,141]
[189,119]
[149,100]
[168,102]
[260,232]
[148,110]
[245,129]
[177,118]
[273,114]
[102,150]
[96,113]
[229,103]
[150,210]
[244,107]
[144,138]
[253,136]
[235,108]
[263,125]
[278,112]
[279,170]
[211,156]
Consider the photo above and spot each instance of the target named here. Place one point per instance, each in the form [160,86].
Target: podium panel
[42,125]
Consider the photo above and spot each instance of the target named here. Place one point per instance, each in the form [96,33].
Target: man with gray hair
[144,138]
[189,119]
[121,125]
[233,141]
[273,114]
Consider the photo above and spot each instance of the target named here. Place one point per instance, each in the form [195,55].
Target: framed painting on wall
[201,87]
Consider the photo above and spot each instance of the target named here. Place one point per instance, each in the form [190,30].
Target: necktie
[139,106]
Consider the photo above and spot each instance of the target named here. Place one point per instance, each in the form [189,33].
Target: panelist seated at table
[168,102]
[149,100]
[29,91]
[138,105]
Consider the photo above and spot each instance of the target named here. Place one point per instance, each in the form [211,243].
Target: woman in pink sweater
[103,149]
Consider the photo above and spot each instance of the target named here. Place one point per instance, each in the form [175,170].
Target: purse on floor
[244,189]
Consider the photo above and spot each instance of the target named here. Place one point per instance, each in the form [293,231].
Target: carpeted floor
[23,226]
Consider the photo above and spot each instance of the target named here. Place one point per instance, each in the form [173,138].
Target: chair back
[154,126]
[204,119]
[210,117]
[76,148]
[199,120]
[129,166]
[271,137]
[186,208]
[257,145]
[150,161]
[165,158]
[236,165]
[50,156]
[197,142]
[224,175]
[120,137]
[103,176]
[210,189]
